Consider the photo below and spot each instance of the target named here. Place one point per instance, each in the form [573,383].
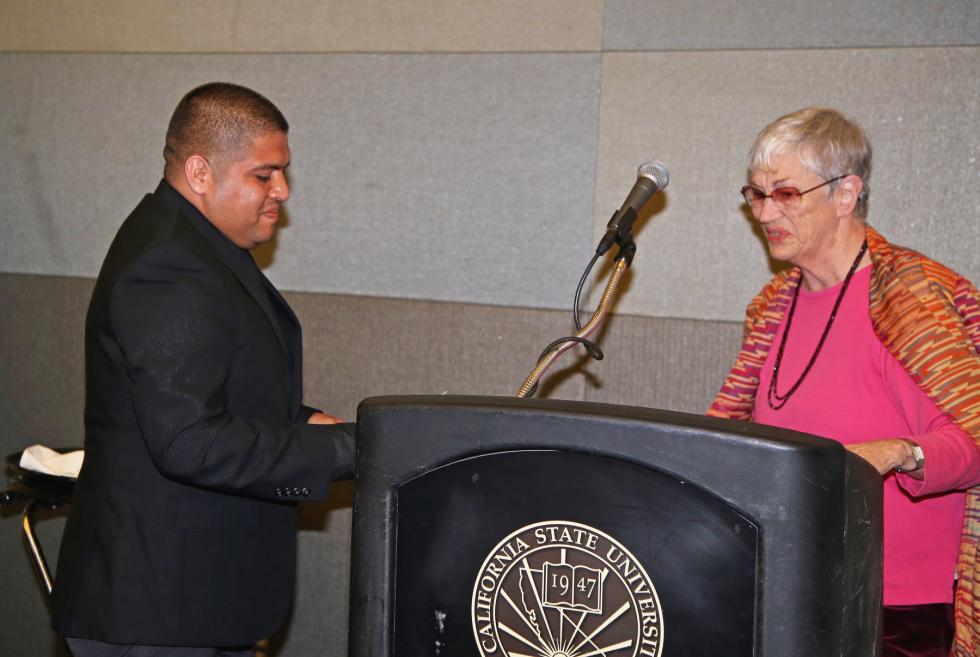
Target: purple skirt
[918,631]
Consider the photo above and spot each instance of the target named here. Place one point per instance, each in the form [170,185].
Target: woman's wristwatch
[920,458]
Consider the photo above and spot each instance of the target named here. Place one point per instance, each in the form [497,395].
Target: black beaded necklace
[776,400]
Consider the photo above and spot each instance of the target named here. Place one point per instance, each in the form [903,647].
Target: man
[182,533]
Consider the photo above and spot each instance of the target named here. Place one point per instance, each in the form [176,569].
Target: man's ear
[848,193]
[198,173]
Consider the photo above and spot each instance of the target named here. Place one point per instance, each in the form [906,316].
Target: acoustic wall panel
[468,178]
[355,347]
[446,177]
[770,24]
[700,254]
[245,26]
[656,362]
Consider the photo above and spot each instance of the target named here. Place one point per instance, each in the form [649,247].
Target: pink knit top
[856,392]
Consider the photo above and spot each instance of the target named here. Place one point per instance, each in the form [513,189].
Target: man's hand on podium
[323,418]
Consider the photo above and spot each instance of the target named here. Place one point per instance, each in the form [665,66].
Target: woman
[875,346]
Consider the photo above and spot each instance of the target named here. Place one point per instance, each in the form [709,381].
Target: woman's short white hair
[827,143]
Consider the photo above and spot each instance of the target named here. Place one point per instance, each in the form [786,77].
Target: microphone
[651,177]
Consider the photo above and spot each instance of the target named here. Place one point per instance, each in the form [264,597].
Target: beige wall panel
[42,327]
[41,401]
[302,26]
[317,625]
[357,347]
[673,364]
[699,254]
[354,347]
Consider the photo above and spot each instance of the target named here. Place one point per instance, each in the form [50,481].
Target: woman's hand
[889,454]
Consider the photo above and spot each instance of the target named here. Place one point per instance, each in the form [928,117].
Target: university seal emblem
[564,589]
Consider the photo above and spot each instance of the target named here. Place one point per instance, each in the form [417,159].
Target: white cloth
[39,458]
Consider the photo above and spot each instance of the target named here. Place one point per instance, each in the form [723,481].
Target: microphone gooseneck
[651,177]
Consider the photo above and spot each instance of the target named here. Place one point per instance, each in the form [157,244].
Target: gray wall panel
[82,147]
[699,254]
[767,24]
[456,177]
[301,26]
[470,178]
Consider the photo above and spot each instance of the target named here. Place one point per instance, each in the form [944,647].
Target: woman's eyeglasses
[786,197]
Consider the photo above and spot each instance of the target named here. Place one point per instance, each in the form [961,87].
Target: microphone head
[656,171]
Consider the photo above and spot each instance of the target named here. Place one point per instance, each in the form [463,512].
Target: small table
[42,491]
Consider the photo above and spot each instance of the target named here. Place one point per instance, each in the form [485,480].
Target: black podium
[500,527]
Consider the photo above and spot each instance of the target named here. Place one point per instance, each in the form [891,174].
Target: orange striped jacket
[928,317]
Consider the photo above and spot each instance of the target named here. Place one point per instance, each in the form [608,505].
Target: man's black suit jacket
[182,530]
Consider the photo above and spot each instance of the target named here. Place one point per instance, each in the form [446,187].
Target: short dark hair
[218,120]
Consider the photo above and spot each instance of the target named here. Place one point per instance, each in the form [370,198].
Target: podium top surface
[611,414]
